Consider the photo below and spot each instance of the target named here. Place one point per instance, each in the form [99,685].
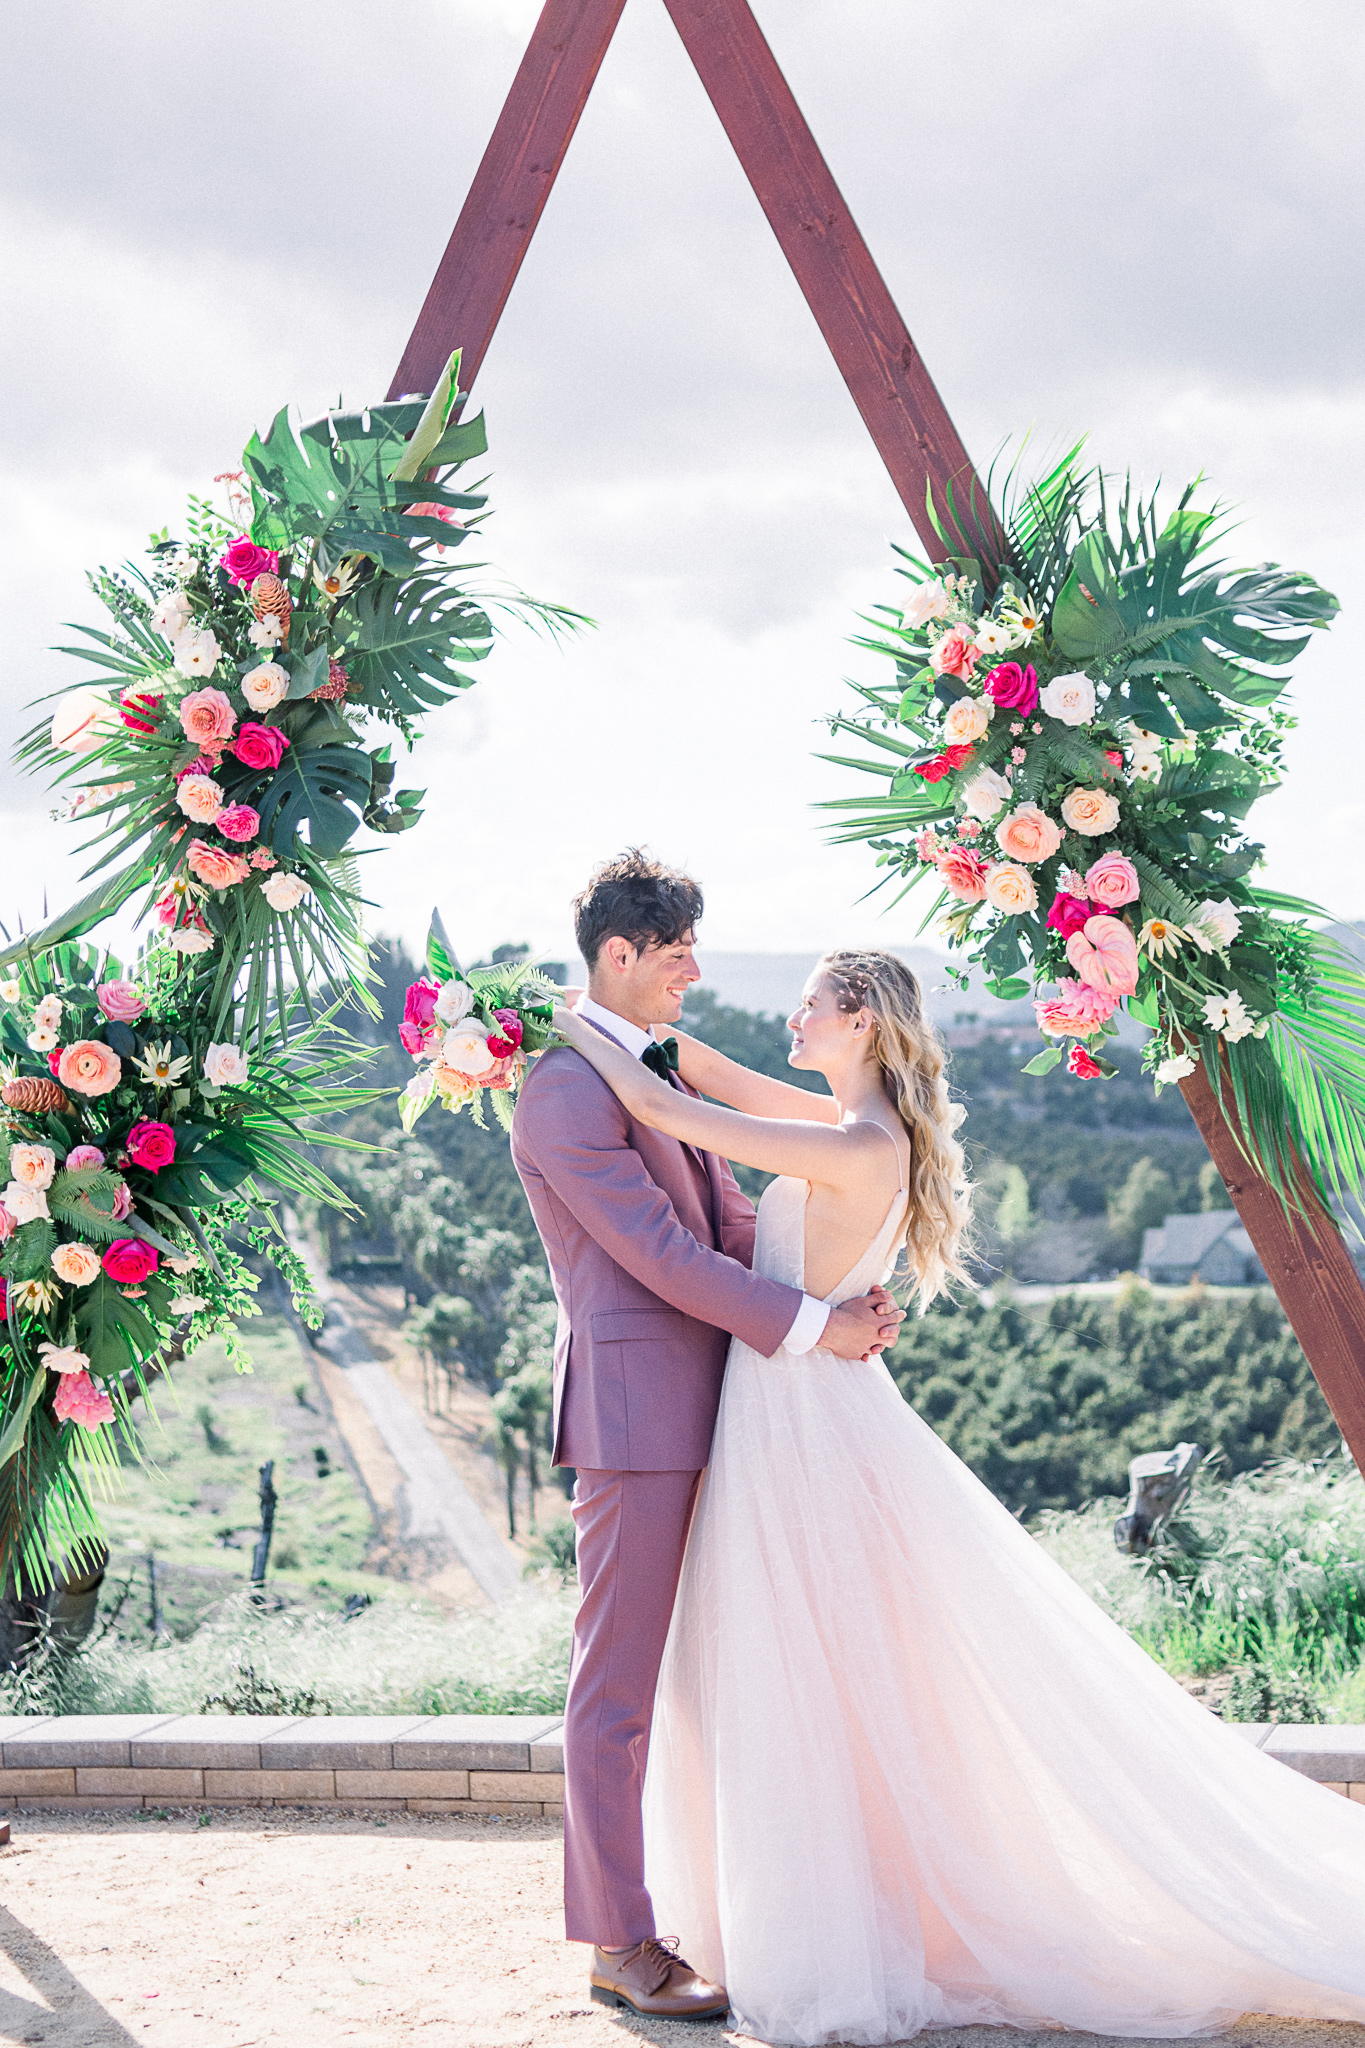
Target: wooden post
[1305,1260]
[509,192]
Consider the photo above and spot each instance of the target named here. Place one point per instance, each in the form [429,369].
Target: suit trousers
[631,1531]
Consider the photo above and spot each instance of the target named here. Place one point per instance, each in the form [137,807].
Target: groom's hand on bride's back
[857,1329]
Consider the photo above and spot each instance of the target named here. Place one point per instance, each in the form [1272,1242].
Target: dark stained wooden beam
[1305,1260]
[842,285]
[509,192]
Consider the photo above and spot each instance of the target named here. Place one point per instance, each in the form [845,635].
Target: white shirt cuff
[809,1327]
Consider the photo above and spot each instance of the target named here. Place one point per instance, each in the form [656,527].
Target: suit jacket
[650,1244]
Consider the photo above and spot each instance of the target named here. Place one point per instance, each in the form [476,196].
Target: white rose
[225,1065]
[455,1001]
[266,686]
[1176,1068]
[172,615]
[284,891]
[9,991]
[967,719]
[1070,699]
[196,653]
[466,1049]
[47,1014]
[987,793]
[63,1358]
[190,940]
[1218,922]
[33,1165]
[25,1205]
[82,719]
[930,601]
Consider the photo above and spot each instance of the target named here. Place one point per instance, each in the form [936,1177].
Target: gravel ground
[300,1927]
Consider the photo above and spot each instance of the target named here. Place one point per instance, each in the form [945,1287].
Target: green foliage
[1145,1200]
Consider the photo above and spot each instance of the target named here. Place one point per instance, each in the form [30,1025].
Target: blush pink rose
[243,562]
[1076,1011]
[90,1068]
[8,1226]
[966,720]
[79,1400]
[1068,913]
[1112,882]
[123,1202]
[83,1155]
[964,873]
[207,718]
[1013,688]
[1028,834]
[119,1001]
[260,746]
[238,822]
[1104,955]
[212,865]
[956,654]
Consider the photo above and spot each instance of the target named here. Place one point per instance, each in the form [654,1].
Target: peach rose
[1028,834]
[76,1264]
[1104,955]
[208,718]
[32,1165]
[964,873]
[967,720]
[1091,811]
[89,1068]
[212,864]
[956,654]
[200,798]
[1076,1011]
[1010,888]
[266,686]
[1112,882]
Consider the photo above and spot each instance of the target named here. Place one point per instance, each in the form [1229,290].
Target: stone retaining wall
[431,1763]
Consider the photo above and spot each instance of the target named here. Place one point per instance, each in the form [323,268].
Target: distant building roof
[1181,1242]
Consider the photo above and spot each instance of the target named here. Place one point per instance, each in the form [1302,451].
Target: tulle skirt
[904,1774]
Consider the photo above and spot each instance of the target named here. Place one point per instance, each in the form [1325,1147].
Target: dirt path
[308,1929]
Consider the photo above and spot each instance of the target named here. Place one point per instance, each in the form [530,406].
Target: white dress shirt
[812,1316]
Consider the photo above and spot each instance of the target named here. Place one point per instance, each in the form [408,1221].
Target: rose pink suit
[649,1244]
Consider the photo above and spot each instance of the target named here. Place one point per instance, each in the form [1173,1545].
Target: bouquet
[472,1032]
[1072,745]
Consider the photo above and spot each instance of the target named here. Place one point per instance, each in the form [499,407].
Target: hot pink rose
[8,1226]
[130,1260]
[1104,955]
[119,1001]
[137,709]
[956,654]
[260,746]
[208,718]
[243,562]
[1068,913]
[238,822]
[964,873]
[1112,882]
[1076,1011]
[505,1042]
[89,1067]
[1028,834]
[419,1029]
[212,865]
[83,1155]
[1079,1063]
[54,1061]
[1013,688]
[79,1400]
[168,907]
[151,1145]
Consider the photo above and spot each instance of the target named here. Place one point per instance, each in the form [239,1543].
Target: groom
[650,1243]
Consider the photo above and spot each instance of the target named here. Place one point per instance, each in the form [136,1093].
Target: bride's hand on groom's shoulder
[863,1327]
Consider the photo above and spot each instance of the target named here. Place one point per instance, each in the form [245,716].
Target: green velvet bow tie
[661,1059]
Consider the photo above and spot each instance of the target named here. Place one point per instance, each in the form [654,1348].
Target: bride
[903,1773]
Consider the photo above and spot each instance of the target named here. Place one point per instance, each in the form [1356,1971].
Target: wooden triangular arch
[1304,1256]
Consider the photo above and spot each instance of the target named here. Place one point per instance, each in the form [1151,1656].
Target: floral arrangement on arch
[472,1033]
[1071,745]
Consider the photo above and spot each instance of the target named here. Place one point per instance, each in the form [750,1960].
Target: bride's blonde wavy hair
[910,1054]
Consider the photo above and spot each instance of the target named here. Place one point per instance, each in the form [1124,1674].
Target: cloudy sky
[1140,224]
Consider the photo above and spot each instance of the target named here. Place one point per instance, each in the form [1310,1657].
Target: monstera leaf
[412,643]
[328,786]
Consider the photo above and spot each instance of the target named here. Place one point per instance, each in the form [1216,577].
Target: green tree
[1145,1200]
[1213,1192]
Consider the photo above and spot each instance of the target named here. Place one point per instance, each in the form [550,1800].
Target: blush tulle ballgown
[904,1774]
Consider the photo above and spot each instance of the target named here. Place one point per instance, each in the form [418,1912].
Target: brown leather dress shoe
[653,1979]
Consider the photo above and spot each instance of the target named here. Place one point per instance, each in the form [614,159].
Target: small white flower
[187,1304]
[184,564]
[10,991]
[993,636]
[157,1068]
[196,652]
[188,939]
[1146,767]
[181,1262]
[63,1358]
[43,1039]
[285,891]
[25,1205]
[1226,1012]
[1024,619]
[1176,1068]
[1069,699]
[266,632]
[47,1013]
[225,1065]
[455,1001]
[987,794]
[172,616]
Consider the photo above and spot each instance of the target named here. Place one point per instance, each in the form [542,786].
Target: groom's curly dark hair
[637,898]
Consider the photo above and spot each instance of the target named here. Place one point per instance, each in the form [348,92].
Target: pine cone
[35,1097]
[270,598]
[337,686]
